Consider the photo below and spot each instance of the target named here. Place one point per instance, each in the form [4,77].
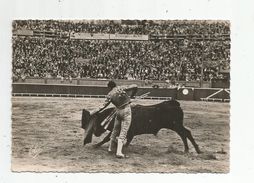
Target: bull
[145,120]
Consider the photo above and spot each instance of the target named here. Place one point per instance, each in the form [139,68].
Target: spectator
[145,60]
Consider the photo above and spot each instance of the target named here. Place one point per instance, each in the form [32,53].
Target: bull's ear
[85,118]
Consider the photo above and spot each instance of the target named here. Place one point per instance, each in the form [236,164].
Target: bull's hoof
[200,152]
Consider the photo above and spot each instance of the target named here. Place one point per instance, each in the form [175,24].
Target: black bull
[145,120]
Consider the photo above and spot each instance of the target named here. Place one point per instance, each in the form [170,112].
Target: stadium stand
[174,51]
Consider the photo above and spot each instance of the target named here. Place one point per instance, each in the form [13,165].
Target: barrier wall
[196,94]
[59,89]
[204,93]
[103,82]
[185,94]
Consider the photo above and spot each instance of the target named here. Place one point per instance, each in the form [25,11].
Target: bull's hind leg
[190,137]
[183,136]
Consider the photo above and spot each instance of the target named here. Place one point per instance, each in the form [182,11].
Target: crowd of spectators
[145,60]
[171,27]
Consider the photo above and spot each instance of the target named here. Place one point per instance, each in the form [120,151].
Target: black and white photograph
[128,95]
[126,91]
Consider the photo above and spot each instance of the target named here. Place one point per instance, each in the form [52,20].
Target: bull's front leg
[106,139]
[129,139]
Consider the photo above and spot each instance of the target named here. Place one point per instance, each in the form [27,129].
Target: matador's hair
[111,84]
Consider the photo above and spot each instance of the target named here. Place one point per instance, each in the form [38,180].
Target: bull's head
[91,125]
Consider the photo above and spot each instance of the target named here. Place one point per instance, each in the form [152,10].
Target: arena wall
[197,94]
[103,82]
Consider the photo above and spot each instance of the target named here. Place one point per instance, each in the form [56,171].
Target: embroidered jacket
[120,95]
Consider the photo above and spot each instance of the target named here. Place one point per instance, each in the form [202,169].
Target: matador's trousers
[122,123]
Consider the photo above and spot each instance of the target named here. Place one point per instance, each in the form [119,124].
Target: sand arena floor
[47,136]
